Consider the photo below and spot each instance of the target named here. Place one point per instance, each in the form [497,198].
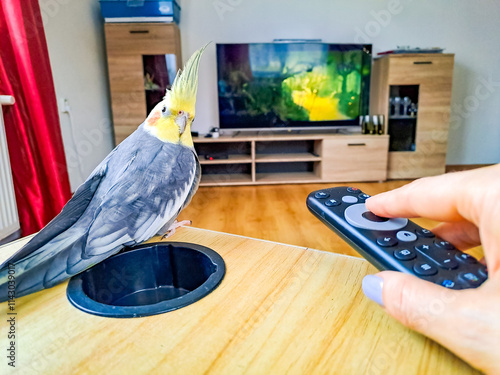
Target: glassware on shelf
[402,121]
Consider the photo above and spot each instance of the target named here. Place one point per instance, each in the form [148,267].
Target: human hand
[467,322]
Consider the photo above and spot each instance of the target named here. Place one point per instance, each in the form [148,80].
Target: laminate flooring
[274,212]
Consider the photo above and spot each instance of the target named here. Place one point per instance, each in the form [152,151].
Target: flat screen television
[305,85]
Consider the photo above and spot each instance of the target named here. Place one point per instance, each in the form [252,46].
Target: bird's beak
[181,121]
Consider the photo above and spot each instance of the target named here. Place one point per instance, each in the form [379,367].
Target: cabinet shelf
[232,159]
[276,158]
[280,178]
[301,158]
[393,117]
[226,179]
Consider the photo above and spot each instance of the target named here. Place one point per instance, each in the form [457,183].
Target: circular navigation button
[375,218]
[354,216]
[321,195]
[349,199]
[406,236]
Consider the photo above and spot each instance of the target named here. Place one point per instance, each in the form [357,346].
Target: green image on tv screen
[291,84]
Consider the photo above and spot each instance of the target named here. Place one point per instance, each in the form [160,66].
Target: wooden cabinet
[292,158]
[126,46]
[431,76]
[360,158]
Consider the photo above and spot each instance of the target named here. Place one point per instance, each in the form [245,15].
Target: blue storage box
[140,11]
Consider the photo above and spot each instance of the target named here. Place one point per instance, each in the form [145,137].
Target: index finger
[449,197]
[473,196]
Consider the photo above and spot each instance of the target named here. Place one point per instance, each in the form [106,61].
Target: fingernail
[372,287]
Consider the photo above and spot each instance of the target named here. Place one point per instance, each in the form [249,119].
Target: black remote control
[395,244]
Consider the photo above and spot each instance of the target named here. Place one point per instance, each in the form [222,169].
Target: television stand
[285,158]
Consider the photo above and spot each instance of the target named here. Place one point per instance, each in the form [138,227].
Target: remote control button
[353,190]
[368,215]
[406,236]
[470,278]
[447,262]
[405,254]
[444,245]
[321,195]
[425,233]
[424,269]
[354,216]
[387,241]
[363,197]
[483,271]
[349,199]
[443,259]
[423,248]
[332,202]
[466,258]
[447,283]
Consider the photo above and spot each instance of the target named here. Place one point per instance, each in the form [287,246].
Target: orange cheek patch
[153,119]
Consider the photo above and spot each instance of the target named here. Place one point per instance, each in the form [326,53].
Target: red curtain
[32,125]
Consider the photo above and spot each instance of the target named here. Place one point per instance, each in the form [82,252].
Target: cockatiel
[136,192]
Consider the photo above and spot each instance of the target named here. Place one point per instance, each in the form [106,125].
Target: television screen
[292,85]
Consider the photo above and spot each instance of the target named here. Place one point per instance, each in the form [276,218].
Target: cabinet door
[132,90]
[434,76]
[420,69]
[361,158]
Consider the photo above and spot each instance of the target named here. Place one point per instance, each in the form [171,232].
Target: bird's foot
[174,226]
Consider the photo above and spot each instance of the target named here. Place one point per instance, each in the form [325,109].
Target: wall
[75,39]
[468,29]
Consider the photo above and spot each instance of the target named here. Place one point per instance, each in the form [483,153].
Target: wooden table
[280,309]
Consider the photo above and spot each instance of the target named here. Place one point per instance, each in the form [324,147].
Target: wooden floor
[273,212]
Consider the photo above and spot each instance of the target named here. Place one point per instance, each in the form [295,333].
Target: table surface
[280,309]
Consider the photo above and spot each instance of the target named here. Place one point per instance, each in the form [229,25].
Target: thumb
[422,306]
[418,304]
[464,321]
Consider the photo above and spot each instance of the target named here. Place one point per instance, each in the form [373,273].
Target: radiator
[9,219]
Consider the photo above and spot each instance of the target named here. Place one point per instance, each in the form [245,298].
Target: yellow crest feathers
[182,94]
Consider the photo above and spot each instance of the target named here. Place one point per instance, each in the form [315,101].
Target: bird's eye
[164,110]
[181,112]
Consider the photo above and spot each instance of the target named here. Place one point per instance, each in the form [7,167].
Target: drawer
[420,69]
[142,38]
[361,158]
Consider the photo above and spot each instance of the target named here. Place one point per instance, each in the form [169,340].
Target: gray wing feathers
[155,181]
[69,215]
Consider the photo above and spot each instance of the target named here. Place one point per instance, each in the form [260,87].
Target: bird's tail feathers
[44,268]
